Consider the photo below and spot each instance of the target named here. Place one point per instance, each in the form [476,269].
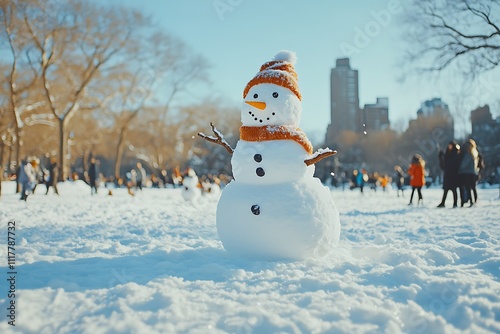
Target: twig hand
[218,139]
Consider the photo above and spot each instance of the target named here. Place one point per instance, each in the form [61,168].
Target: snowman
[274,208]
[190,190]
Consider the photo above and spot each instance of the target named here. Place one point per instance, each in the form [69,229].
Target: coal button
[257,157]
[255,209]
[260,172]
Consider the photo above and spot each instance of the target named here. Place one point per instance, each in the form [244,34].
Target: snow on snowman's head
[272,97]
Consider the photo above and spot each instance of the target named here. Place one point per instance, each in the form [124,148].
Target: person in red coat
[417,174]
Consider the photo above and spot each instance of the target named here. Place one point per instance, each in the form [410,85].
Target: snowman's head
[272,97]
[270,104]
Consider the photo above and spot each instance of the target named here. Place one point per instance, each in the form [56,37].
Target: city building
[376,115]
[434,114]
[345,113]
[435,108]
[430,133]
[344,100]
[483,125]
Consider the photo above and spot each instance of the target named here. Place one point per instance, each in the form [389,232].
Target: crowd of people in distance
[32,174]
[461,169]
[137,178]
[360,178]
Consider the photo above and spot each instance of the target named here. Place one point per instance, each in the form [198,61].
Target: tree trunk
[2,169]
[86,156]
[62,152]
[119,152]
[18,148]
[2,150]
[9,159]
[17,152]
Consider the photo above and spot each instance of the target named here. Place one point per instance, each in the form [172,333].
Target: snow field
[153,263]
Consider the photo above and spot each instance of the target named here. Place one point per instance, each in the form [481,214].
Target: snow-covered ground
[153,263]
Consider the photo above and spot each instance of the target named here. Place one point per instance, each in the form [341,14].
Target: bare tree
[465,33]
[19,83]
[130,102]
[166,65]
[134,89]
[74,45]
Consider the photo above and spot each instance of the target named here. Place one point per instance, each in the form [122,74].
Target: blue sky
[237,36]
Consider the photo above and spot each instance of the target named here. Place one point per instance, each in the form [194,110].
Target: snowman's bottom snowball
[294,220]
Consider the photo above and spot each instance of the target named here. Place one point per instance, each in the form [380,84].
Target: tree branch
[483,15]
[218,139]
[461,32]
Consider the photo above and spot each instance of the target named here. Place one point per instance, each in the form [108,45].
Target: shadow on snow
[206,264]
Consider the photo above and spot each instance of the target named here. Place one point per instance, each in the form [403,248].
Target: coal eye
[275,95]
[255,96]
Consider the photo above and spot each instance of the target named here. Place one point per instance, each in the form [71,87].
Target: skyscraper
[344,100]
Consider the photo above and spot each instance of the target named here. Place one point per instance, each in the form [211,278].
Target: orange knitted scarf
[275,132]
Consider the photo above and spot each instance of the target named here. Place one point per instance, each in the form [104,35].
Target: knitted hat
[279,71]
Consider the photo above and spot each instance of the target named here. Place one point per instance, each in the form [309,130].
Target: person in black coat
[93,174]
[53,176]
[449,162]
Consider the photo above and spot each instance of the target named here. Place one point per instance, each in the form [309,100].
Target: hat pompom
[285,55]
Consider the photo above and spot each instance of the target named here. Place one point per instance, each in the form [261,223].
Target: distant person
[133,178]
[155,181]
[417,177]
[358,179]
[27,178]
[93,175]
[468,169]
[176,177]
[129,182]
[140,176]
[374,181]
[448,161]
[399,177]
[480,168]
[164,178]
[362,178]
[39,174]
[354,179]
[384,181]
[53,176]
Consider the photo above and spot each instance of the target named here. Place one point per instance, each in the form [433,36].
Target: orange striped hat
[279,71]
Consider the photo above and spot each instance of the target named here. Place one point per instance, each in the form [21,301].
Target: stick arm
[218,139]
[319,155]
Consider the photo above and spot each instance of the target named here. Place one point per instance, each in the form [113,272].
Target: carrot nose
[258,105]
